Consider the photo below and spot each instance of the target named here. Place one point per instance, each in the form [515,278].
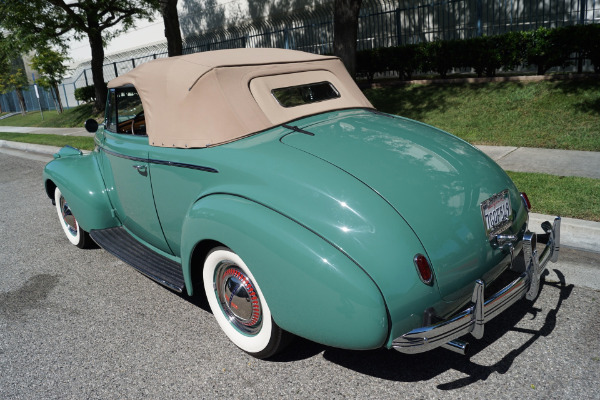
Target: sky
[144,33]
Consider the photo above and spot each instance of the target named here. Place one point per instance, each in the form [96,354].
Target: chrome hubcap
[68,217]
[238,298]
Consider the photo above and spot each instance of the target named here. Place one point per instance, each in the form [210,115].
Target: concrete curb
[46,131]
[575,233]
[585,164]
[29,147]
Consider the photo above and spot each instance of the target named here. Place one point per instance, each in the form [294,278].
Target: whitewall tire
[68,222]
[239,306]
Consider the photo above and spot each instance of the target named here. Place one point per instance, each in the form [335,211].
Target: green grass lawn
[567,196]
[71,118]
[549,114]
[557,114]
[80,142]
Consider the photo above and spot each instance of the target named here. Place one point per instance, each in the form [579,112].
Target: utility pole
[37,94]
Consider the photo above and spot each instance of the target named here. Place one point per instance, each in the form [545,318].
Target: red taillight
[526,201]
[423,268]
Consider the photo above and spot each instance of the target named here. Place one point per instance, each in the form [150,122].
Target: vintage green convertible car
[266,179]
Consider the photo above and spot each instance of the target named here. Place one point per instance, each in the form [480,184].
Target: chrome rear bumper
[473,319]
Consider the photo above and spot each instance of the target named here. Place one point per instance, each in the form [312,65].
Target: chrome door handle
[140,168]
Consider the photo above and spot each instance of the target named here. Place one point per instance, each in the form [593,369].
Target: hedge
[85,94]
[543,48]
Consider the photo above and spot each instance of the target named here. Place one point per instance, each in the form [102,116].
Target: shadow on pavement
[391,365]
[395,366]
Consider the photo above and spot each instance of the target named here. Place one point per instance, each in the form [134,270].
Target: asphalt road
[79,324]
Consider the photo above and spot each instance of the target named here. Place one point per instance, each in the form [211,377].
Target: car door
[126,170]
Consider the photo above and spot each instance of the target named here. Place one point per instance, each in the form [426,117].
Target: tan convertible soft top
[216,97]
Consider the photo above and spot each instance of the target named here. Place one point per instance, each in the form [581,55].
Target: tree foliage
[48,21]
[12,75]
[12,78]
[50,64]
[85,94]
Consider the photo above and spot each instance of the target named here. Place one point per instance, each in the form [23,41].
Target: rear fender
[80,181]
[313,289]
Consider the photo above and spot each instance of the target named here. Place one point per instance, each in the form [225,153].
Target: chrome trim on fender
[183,165]
[525,201]
[160,162]
[473,319]
[429,281]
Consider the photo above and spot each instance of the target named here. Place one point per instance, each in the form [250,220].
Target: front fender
[79,179]
[313,290]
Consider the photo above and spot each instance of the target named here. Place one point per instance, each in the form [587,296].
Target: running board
[155,266]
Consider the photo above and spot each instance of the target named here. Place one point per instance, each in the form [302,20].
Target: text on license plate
[497,213]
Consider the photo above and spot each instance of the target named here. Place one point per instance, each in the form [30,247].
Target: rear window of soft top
[292,96]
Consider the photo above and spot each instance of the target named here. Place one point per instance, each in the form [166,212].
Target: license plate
[497,213]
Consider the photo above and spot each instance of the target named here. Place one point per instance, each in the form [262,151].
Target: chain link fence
[10,103]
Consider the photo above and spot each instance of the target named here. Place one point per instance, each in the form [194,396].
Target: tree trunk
[95,39]
[168,9]
[21,99]
[57,99]
[345,32]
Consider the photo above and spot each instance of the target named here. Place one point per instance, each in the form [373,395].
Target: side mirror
[91,125]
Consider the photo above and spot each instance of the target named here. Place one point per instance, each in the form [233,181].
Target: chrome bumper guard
[473,319]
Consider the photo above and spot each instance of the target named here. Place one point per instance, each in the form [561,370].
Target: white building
[195,18]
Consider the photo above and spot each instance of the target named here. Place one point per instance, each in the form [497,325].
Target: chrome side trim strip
[184,165]
[113,153]
[473,319]
[160,162]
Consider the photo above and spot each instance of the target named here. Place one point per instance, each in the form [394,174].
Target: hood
[435,181]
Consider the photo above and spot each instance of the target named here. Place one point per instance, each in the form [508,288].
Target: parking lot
[81,324]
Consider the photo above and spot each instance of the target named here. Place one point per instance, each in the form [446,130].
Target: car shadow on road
[395,366]
[391,365]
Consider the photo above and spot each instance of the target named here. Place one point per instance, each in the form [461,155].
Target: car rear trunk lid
[434,180]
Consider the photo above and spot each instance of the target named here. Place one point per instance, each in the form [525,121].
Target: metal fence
[460,19]
[382,23]
[10,103]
